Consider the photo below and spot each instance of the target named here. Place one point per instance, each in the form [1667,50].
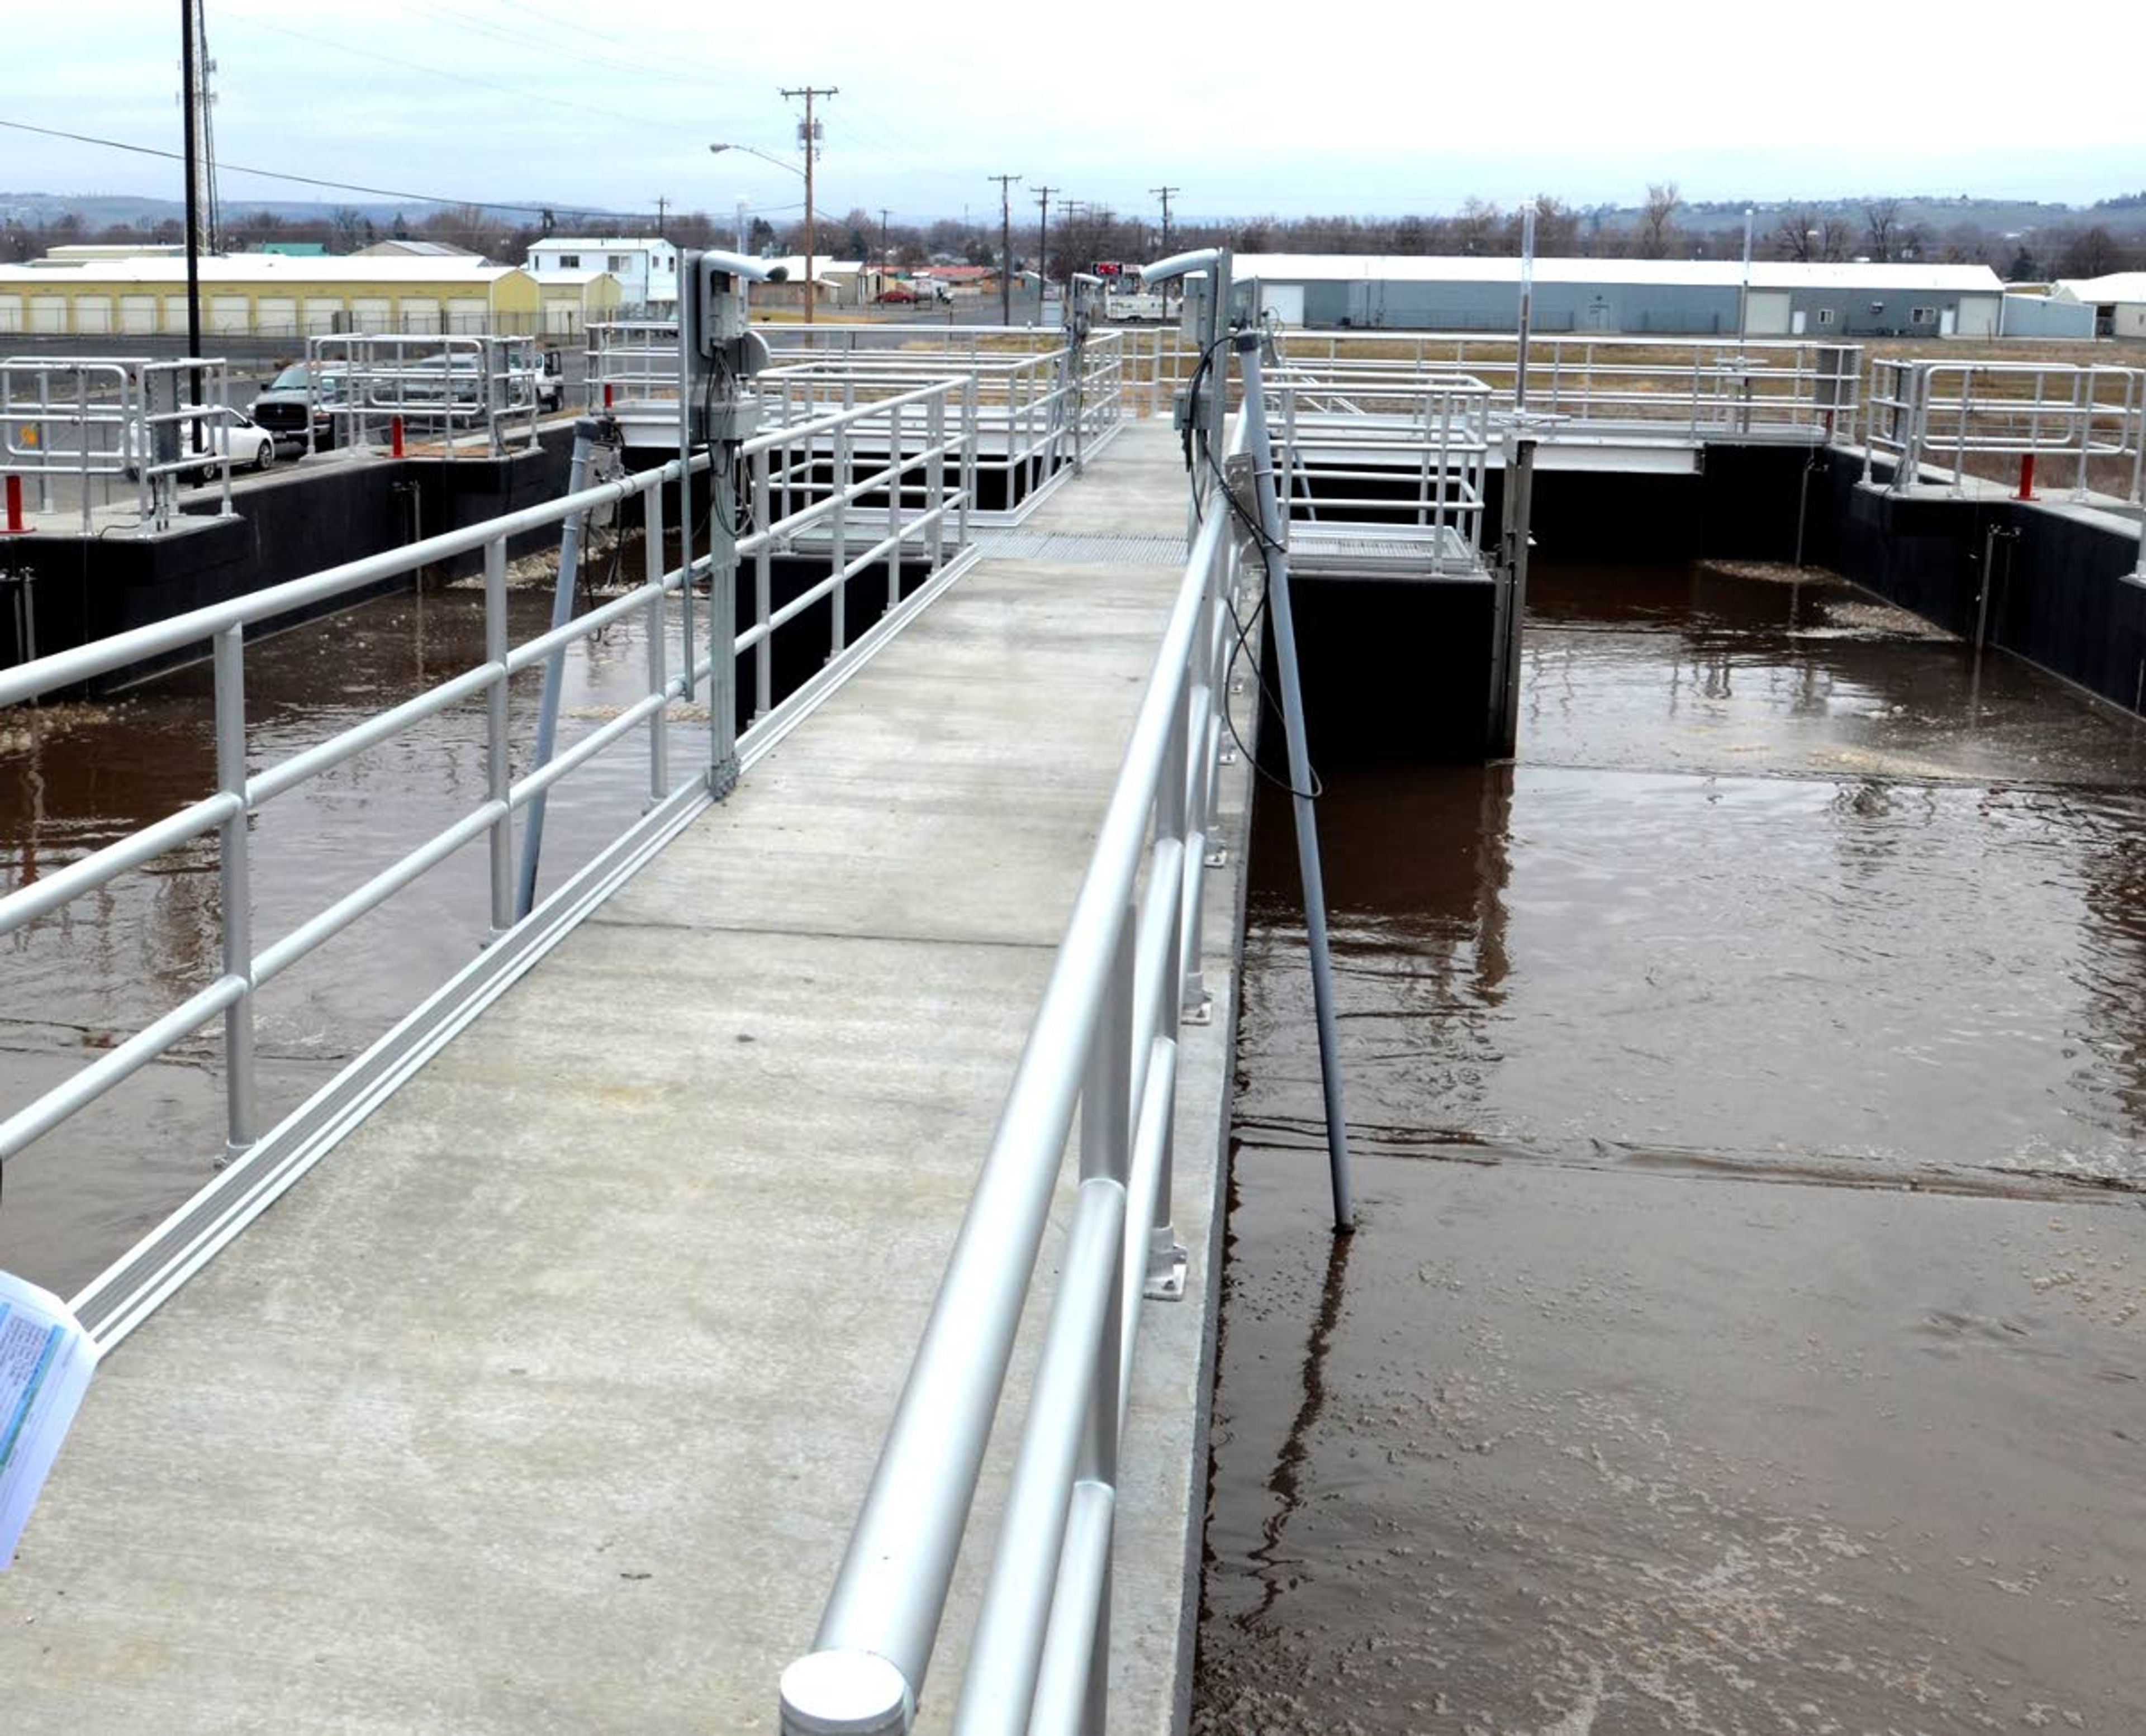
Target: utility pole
[1043,247]
[191,145]
[1005,245]
[1164,194]
[662,206]
[883,247]
[808,132]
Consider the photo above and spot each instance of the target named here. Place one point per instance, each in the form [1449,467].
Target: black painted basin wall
[1401,672]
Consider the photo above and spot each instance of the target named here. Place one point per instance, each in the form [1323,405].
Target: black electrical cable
[1196,436]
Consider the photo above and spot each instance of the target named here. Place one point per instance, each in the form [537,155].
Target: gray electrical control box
[719,346]
[711,312]
[1192,311]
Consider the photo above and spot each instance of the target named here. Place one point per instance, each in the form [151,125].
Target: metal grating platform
[1079,551]
[1382,551]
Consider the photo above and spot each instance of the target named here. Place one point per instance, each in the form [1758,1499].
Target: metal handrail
[1337,433]
[241,790]
[1103,1040]
[445,384]
[1939,413]
[1013,407]
[110,416]
[1788,390]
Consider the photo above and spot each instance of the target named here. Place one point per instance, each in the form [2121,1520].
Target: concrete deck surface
[548,1401]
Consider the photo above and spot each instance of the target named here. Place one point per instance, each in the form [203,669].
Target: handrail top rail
[65,668]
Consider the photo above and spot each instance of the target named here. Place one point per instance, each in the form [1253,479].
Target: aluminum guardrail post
[722,620]
[969,412]
[1271,533]
[763,593]
[235,891]
[934,478]
[897,480]
[498,767]
[841,464]
[659,684]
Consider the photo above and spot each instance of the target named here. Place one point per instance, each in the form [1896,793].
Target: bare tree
[1557,227]
[1795,234]
[1655,229]
[1480,228]
[2091,253]
[1881,229]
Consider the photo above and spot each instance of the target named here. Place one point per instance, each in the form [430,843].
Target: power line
[432,15]
[1006,183]
[458,78]
[648,68]
[342,186]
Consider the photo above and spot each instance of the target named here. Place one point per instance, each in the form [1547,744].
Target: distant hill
[1933,212]
[101,210]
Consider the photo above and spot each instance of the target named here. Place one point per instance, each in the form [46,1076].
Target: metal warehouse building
[1629,296]
[2119,301]
[268,295]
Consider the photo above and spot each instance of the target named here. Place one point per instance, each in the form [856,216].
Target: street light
[805,174]
[764,156]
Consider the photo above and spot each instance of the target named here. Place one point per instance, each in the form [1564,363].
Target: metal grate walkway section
[1079,549]
[1404,551]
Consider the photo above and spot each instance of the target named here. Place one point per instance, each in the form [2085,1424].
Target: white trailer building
[646,267]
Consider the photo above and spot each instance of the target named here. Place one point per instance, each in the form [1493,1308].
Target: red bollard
[16,528]
[395,437]
[2026,477]
[606,394]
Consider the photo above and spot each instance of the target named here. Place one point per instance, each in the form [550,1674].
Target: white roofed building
[1679,297]
[2119,300]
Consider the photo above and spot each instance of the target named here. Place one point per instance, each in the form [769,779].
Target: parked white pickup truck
[1137,306]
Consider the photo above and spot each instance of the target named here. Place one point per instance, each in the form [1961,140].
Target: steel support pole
[555,666]
[235,890]
[190,74]
[1276,560]
[1512,604]
[1524,328]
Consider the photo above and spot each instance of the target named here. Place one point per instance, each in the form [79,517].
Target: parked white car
[206,446]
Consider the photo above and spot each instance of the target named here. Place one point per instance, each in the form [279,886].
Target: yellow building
[268,295]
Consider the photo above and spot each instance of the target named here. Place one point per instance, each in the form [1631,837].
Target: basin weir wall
[283,526]
[1399,669]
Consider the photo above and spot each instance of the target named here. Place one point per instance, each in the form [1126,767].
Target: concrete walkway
[546,1402]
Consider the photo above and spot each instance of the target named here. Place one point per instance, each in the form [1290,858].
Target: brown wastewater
[1745,1328]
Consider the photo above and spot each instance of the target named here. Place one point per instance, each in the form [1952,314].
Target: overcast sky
[1399,108]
